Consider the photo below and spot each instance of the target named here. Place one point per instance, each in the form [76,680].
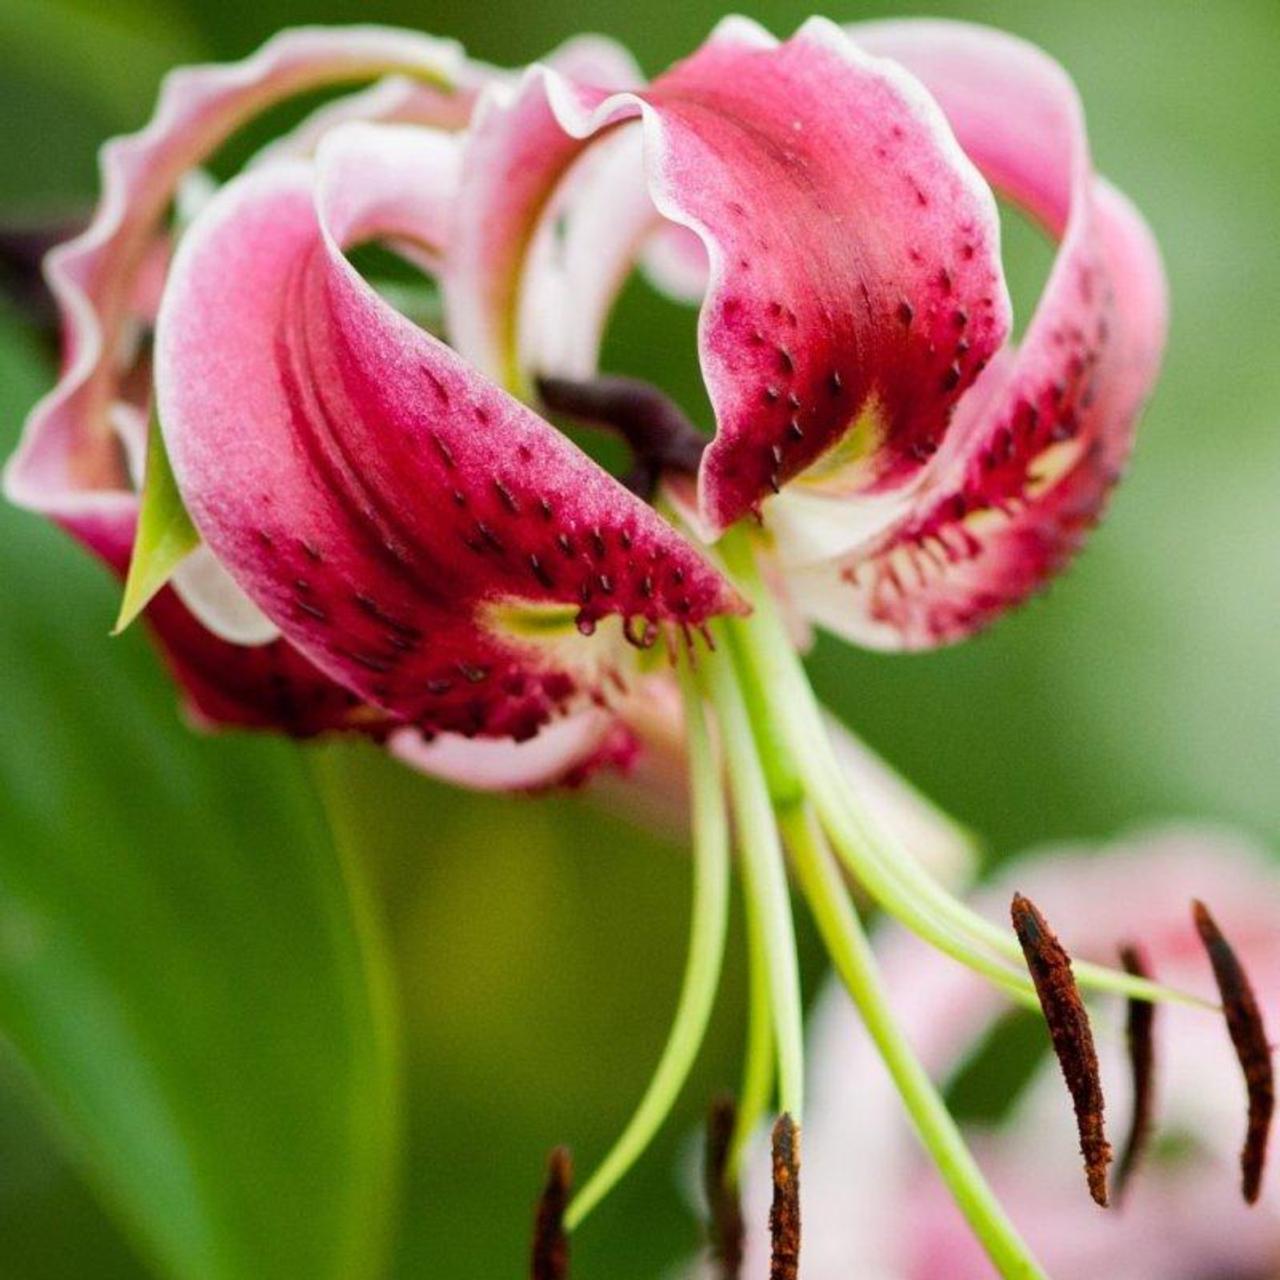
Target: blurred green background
[181,996]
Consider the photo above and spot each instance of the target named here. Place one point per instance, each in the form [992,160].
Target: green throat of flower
[764,779]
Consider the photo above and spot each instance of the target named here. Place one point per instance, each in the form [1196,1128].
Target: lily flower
[883,1215]
[354,520]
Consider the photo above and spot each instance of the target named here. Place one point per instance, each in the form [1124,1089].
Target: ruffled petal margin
[69,465]
[1042,438]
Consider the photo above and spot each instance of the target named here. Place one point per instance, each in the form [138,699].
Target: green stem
[707,930]
[854,961]
[888,871]
[764,877]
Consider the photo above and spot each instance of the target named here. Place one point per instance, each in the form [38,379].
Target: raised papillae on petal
[1041,439]
[420,535]
[854,292]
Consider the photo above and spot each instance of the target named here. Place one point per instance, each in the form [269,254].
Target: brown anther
[1140,1020]
[784,1213]
[1249,1036]
[1072,1037]
[550,1258]
[720,1185]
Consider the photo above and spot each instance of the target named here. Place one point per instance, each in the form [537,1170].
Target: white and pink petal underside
[382,503]
[843,228]
[566,752]
[1040,440]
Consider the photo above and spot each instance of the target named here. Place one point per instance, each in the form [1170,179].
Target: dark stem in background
[23,246]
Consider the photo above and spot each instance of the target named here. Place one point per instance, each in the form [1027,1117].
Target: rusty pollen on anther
[1249,1036]
[1140,1021]
[725,1227]
[784,1213]
[1072,1037]
[550,1242]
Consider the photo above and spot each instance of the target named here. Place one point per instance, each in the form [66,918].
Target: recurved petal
[420,535]
[844,230]
[68,465]
[1044,435]
[403,99]
[564,753]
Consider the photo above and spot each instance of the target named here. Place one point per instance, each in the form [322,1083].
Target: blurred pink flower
[876,1210]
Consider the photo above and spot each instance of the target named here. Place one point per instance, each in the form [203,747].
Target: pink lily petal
[402,100]
[385,506]
[675,262]
[1046,432]
[565,753]
[234,685]
[273,686]
[68,464]
[394,100]
[844,229]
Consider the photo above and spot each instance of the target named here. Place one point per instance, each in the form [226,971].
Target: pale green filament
[889,872]
[710,914]
[758,1071]
[851,954]
[764,877]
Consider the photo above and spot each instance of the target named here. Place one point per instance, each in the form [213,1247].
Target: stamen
[550,1241]
[872,854]
[1249,1036]
[1064,1011]
[1140,1017]
[707,929]
[660,435]
[851,954]
[720,1184]
[784,1213]
[770,928]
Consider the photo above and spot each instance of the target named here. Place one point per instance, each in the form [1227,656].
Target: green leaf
[189,973]
[165,537]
